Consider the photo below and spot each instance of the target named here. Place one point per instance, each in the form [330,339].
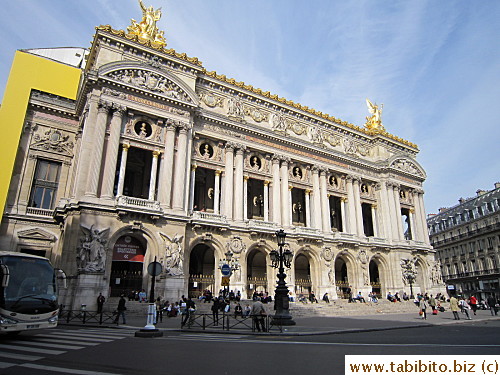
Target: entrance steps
[338,307]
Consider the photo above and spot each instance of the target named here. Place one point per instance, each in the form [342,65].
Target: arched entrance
[341,278]
[256,272]
[302,268]
[375,279]
[420,281]
[201,270]
[127,265]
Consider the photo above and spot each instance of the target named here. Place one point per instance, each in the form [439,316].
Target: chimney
[480,192]
[443,209]
[461,200]
[497,185]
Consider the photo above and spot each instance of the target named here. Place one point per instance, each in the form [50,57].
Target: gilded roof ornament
[146,29]
[374,122]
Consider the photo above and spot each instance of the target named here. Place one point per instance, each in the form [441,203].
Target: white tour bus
[28,292]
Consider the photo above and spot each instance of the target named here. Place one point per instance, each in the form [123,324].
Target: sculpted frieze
[211,100]
[150,81]
[406,166]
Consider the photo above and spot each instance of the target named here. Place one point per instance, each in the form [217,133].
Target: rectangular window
[45,183]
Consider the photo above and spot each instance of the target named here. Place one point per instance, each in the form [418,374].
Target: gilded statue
[374,122]
[146,29]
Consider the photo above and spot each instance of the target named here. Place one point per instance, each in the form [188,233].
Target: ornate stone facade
[159,159]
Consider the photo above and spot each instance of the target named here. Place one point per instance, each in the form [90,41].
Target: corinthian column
[111,157]
[285,195]
[123,167]
[308,208]
[351,204]
[152,180]
[325,210]
[217,192]
[266,200]
[99,134]
[357,207]
[180,171]
[238,184]
[166,167]
[397,209]
[228,181]
[316,199]
[276,190]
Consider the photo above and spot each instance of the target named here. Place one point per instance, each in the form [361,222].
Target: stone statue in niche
[173,263]
[235,107]
[91,253]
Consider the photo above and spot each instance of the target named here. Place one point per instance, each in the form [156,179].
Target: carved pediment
[36,234]
[52,140]
[150,81]
[407,166]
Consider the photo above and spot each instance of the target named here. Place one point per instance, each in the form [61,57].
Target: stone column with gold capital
[245,197]
[276,190]
[111,157]
[351,204]
[285,194]
[229,180]
[238,183]
[325,204]
[166,167]
[191,187]
[217,192]
[152,180]
[266,200]
[179,187]
[308,208]
[397,211]
[99,135]
[357,206]
[317,222]
[343,214]
[123,167]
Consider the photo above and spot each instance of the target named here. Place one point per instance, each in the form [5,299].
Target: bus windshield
[32,286]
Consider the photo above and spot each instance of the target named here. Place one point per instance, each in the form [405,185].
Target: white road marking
[23,357]
[34,350]
[58,341]
[65,370]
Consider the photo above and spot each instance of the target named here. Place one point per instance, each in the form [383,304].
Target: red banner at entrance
[128,249]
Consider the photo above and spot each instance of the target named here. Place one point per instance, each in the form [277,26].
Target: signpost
[225,270]
[154,269]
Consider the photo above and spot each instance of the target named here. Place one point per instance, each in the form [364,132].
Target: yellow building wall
[28,72]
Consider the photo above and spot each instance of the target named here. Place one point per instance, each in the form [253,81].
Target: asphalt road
[98,351]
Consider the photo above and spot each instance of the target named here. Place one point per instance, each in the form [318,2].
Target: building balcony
[133,204]
[466,275]
[39,212]
[208,218]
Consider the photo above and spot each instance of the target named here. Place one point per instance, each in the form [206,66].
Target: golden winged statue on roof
[374,122]
[147,29]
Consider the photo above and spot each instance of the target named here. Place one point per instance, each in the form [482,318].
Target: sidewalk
[324,325]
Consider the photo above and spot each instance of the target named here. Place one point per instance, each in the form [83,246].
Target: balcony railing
[261,224]
[138,203]
[209,217]
[39,211]
[460,275]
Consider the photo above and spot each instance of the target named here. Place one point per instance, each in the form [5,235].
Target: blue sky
[435,65]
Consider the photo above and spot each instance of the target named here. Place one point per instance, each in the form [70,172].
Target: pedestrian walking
[215,311]
[258,313]
[464,306]
[492,302]
[100,303]
[473,304]
[120,310]
[423,307]
[454,307]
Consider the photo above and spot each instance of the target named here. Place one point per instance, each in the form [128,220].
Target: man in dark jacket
[120,310]
[492,301]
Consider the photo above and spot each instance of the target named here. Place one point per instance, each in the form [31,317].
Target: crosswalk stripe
[85,335]
[24,357]
[58,341]
[52,345]
[75,337]
[35,350]
[214,336]
[7,364]
[65,370]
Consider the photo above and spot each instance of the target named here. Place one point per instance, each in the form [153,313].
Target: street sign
[154,268]
[225,281]
[225,270]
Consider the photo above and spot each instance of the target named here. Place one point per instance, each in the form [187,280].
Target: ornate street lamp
[281,259]
[230,263]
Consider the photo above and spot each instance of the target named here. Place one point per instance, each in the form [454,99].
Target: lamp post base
[282,320]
